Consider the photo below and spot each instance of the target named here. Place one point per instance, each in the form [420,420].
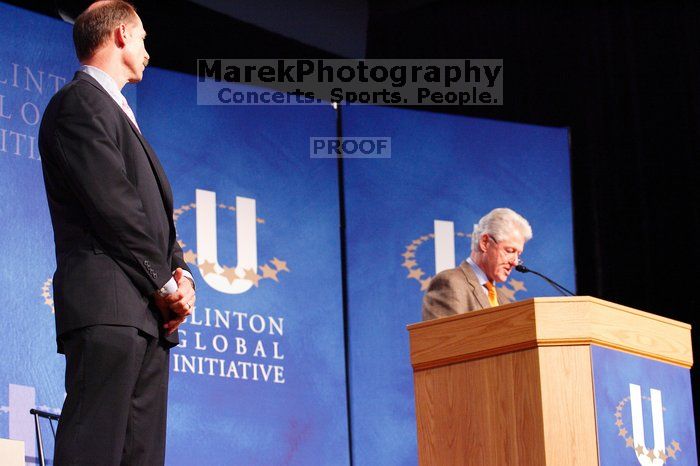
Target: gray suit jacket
[456,291]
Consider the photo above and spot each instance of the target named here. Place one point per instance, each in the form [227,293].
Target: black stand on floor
[40,443]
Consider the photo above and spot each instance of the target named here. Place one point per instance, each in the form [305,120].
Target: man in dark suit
[498,241]
[121,286]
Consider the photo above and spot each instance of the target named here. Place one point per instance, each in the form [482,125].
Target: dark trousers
[117,390]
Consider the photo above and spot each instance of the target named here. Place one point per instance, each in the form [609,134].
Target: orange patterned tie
[493,299]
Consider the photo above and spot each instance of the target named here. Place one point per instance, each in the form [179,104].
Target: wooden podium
[513,385]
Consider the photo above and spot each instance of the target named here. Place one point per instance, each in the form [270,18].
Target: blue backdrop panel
[224,416]
[669,433]
[36,59]
[441,168]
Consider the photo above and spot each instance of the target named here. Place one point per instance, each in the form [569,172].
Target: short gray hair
[500,224]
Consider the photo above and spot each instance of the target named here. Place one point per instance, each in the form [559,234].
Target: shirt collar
[479,273]
[106,81]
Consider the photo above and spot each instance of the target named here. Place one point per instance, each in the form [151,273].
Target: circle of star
[415,272]
[268,271]
[46,294]
[669,452]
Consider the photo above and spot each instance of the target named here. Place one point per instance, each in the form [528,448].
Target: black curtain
[624,78]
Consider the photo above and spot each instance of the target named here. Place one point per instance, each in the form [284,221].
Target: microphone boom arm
[563,291]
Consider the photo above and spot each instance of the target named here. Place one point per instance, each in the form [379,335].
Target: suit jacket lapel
[474,287]
[502,298]
[163,184]
[165,189]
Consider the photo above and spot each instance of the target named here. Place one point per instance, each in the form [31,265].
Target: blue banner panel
[644,411]
[36,59]
[447,169]
[259,378]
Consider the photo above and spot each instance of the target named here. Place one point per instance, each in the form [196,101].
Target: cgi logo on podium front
[661,452]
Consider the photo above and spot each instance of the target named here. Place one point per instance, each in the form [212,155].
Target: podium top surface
[565,321]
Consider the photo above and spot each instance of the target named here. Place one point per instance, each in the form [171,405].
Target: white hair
[500,224]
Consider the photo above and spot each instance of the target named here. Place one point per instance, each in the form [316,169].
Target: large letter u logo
[246,243]
[657,421]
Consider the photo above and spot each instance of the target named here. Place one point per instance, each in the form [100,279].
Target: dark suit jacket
[456,291]
[111,208]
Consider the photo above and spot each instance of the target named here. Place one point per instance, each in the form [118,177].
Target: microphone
[522,269]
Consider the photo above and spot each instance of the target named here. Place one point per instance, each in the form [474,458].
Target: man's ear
[483,242]
[120,36]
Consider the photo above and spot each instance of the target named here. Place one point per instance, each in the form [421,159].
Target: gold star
[268,272]
[411,247]
[260,220]
[190,257]
[415,273]
[651,454]
[618,414]
[424,238]
[672,453]
[222,206]
[230,274]
[629,442]
[618,423]
[639,449]
[662,456]
[622,432]
[181,243]
[193,205]
[409,263]
[206,267]
[177,212]
[252,276]
[676,445]
[424,283]
[280,265]
[231,208]
[517,285]
[185,208]
[507,292]
[408,255]
[416,242]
